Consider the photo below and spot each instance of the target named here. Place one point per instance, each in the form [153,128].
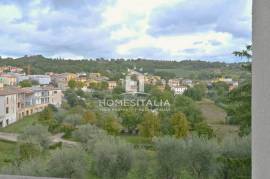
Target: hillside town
[18,101]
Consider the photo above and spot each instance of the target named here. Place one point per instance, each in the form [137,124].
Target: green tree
[204,130]
[72,84]
[180,125]
[104,85]
[46,116]
[130,119]
[197,92]
[112,125]
[25,83]
[150,125]
[79,84]
[187,106]
[89,117]
[239,100]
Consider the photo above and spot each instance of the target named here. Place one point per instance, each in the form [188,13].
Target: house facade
[19,102]
[7,107]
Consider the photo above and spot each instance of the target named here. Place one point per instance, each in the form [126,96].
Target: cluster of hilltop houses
[16,102]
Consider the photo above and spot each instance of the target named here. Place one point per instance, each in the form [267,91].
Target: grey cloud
[198,16]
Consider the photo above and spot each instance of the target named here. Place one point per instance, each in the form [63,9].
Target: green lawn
[7,152]
[20,125]
[215,117]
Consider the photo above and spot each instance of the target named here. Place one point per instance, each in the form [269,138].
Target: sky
[154,29]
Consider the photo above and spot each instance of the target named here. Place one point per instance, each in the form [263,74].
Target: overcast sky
[154,29]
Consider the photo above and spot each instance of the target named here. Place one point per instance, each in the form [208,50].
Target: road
[13,137]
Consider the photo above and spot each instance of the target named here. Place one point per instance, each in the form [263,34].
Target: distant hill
[115,67]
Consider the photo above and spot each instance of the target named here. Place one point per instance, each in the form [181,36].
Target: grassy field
[7,152]
[215,117]
[20,125]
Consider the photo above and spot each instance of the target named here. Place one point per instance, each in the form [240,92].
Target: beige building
[8,80]
[7,107]
[112,85]
[15,103]
[61,80]
[35,99]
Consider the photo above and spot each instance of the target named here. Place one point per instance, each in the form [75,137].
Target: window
[7,110]
[7,100]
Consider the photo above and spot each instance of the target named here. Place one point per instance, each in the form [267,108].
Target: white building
[132,85]
[174,82]
[187,82]
[15,103]
[41,79]
[179,90]
[7,107]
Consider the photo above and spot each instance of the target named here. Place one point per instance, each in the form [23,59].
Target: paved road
[13,137]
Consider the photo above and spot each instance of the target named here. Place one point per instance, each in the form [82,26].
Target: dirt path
[13,137]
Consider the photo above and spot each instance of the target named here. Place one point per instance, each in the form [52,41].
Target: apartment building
[35,99]
[7,107]
[15,103]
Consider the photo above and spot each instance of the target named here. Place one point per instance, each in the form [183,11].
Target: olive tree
[171,157]
[235,157]
[36,134]
[34,167]
[202,157]
[88,135]
[113,158]
[69,162]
